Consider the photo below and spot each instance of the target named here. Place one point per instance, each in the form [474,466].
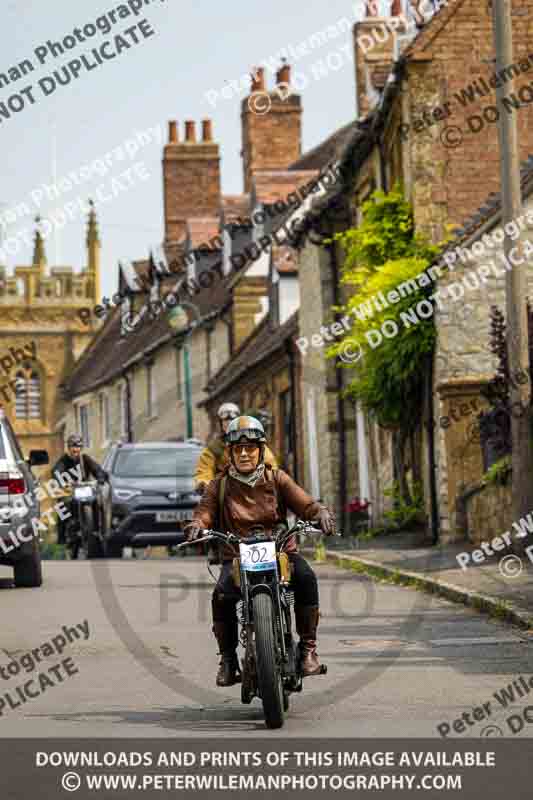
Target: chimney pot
[283,75]
[207,130]
[190,131]
[172,132]
[258,80]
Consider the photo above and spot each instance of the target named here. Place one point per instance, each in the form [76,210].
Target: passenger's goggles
[228,415]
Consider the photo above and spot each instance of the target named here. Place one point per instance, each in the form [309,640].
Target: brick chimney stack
[207,130]
[283,75]
[172,132]
[258,80]
[191,178]
[271,126]
[374,45]
[190,131]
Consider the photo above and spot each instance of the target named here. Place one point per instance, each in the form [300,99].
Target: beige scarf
[251,478]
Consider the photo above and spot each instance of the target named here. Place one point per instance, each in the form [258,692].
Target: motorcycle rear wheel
[268,675]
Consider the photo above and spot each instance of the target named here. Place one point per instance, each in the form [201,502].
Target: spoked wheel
[268,674]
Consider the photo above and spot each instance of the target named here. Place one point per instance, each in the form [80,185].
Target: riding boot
[226,634]
[306,625]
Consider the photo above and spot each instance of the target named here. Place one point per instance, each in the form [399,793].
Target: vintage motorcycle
[83,532]
[271,667]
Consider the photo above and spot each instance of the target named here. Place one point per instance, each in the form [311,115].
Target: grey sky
[197,47]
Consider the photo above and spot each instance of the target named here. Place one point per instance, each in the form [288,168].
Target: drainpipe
[382,162]
[340,402]
[292,380]
[430,425]
[129,432]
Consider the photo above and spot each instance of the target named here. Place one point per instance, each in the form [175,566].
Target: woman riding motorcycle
[214,458]
[251,495]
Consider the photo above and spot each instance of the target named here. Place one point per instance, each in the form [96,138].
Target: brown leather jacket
[246,506]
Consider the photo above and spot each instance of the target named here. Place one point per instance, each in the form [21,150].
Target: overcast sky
[196,48]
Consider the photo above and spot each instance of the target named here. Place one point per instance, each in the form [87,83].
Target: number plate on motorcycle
[83,493]
[255,557]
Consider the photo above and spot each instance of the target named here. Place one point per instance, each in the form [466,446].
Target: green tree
[383,252]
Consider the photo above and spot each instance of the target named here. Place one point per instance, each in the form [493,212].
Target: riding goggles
[233,437]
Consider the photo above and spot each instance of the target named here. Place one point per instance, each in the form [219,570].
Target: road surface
[400,662]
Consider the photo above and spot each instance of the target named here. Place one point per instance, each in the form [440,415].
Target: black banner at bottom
[312,768]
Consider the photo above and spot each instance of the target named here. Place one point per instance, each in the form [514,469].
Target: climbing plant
[387,348]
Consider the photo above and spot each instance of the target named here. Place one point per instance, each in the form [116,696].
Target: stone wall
[489,513]
[464,362]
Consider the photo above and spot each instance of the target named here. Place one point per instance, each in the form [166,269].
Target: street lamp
[179,322]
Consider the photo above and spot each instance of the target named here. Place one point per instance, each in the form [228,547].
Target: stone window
[85,426]
[105,419]
[124,411]
[151,394]
[28,393]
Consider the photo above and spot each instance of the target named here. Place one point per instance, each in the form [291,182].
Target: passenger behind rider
[214,458]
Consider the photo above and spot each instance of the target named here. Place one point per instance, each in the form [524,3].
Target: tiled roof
[428,32]
[492,207]
[261,343]
[109,352]
[327,151]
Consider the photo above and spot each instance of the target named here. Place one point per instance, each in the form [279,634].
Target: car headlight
[125,494]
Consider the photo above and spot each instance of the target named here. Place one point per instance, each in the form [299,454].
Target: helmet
[74,440]
[228,411]
[245,427]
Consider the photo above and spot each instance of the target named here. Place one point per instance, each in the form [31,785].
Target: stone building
[424,118]
[472,281]
[42,336]
[151,383]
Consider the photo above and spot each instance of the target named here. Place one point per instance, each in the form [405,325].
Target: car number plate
[83,493]
[256,557]
[172,516]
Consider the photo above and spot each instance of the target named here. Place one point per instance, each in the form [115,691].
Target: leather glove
[192,531]
[326,520]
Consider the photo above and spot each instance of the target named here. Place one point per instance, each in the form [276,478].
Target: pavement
[400,663]
[501,586]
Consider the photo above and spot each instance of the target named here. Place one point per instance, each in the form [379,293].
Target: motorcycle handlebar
[208,534]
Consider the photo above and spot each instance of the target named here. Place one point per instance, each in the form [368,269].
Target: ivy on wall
[388,380]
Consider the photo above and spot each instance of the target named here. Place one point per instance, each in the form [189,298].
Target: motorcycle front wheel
[268,674]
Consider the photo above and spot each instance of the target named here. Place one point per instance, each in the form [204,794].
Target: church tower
[93,256]
[43,331]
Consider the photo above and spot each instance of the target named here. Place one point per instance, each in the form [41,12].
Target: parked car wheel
[28,570]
